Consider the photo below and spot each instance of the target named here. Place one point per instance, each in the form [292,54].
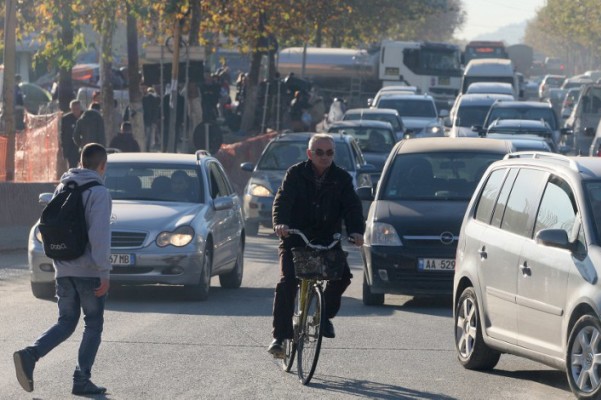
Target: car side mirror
[588,131]
[223,203]
[554,238]
[247,166]
[443,113]
[45,198]
[447,122]
[365,193]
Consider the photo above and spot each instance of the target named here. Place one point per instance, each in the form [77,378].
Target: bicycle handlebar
[337,238]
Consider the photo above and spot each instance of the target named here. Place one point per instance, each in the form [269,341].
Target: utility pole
[8,84]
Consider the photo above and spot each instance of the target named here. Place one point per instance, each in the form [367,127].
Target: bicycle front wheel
[309,338]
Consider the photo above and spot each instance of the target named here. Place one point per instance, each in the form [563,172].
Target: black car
[519,128]
[416,213]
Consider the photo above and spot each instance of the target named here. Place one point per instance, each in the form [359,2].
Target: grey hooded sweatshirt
[95,261]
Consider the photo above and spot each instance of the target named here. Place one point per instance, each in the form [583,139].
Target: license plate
[444,80]
[435,264]
[122,259]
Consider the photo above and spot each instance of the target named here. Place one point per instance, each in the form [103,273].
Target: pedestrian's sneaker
[24,365]
[276,348]
[87,387]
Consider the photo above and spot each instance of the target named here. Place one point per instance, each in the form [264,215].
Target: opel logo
[447,238]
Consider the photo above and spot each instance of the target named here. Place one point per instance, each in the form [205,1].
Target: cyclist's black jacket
[317,212]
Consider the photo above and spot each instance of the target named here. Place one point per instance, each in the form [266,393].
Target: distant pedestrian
[125,140]
[90,127]
[81,284]
[151,106]
[70,149]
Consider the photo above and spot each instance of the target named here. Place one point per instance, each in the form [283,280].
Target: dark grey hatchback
[416,213]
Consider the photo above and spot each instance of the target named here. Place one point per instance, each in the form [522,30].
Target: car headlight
[259,191]
[382,234]
[38,235]
[433,130]
[178,238]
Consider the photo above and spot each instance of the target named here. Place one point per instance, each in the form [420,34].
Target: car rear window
[375,117]
[534,113]
[370,140]
[471,115]
[279,156]
[436,175]
[410,107]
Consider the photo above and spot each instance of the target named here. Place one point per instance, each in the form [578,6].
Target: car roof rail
[545,156]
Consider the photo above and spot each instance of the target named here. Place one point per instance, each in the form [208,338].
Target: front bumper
[394,270]
[258,209]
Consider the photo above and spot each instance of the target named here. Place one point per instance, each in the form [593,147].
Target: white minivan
[490,70]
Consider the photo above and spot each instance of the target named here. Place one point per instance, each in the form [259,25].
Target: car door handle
[526,271]
[483,253]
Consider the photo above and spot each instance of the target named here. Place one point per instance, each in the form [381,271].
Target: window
[523,202]
[558,208]
[497,216]
[219,187]
[490,192]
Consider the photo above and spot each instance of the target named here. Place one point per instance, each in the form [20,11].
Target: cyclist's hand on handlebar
[281,230]
[356,239]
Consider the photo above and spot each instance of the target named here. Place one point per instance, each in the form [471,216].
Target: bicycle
[313,265]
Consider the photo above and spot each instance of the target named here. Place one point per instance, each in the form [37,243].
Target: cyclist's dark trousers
[285,293]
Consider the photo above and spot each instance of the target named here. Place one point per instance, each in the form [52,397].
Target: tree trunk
[248,118]
[65,81]
[135,94]
[195,23]
[106,75]
[10,32]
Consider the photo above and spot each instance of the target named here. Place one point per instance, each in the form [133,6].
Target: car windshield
[470,116]
[370,140]
[435,176]
[410,107]
[375,117]
[281,155]
[154,182]
[534,113]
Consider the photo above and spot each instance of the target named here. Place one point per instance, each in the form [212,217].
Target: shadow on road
[552,378]
[437,306]
[371,390]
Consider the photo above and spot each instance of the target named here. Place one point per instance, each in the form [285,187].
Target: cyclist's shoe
[276,348]
[328,330]
[87,388]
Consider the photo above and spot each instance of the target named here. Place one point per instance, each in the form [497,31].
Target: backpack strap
[88,185]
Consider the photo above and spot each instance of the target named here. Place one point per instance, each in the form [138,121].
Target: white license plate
[435,264]
[122,259]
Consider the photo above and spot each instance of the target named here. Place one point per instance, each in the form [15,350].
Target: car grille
[130,270]
[127,239]
[427,241]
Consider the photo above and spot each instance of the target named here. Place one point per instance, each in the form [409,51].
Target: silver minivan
[527,267]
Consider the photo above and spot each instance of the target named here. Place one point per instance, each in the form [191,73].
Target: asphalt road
[157,345]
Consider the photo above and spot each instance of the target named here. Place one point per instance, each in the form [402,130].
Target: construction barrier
[38,156]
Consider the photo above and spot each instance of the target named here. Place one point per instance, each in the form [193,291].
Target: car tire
[200,291]
[252,228]
[233,279]
[581,359]
[369,298]
[472,352]
[43,290]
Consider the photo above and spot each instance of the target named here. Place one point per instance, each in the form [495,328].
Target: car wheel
[582,363]
[42,290]
[472,352]
[252,228]
[233,279]
[200,291]
[369,298]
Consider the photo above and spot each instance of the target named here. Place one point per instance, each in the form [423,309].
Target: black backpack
[63,223]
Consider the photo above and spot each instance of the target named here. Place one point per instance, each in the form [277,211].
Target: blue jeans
[74,295]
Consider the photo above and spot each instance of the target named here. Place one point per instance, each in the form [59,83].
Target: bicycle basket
[318,264]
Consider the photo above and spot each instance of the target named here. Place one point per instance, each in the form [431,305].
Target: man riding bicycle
[315,196]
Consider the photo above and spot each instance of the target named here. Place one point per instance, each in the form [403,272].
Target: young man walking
[81,283]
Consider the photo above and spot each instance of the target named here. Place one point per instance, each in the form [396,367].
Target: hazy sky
[484,16]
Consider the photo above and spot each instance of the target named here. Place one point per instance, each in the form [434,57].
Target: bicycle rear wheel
[309,337]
